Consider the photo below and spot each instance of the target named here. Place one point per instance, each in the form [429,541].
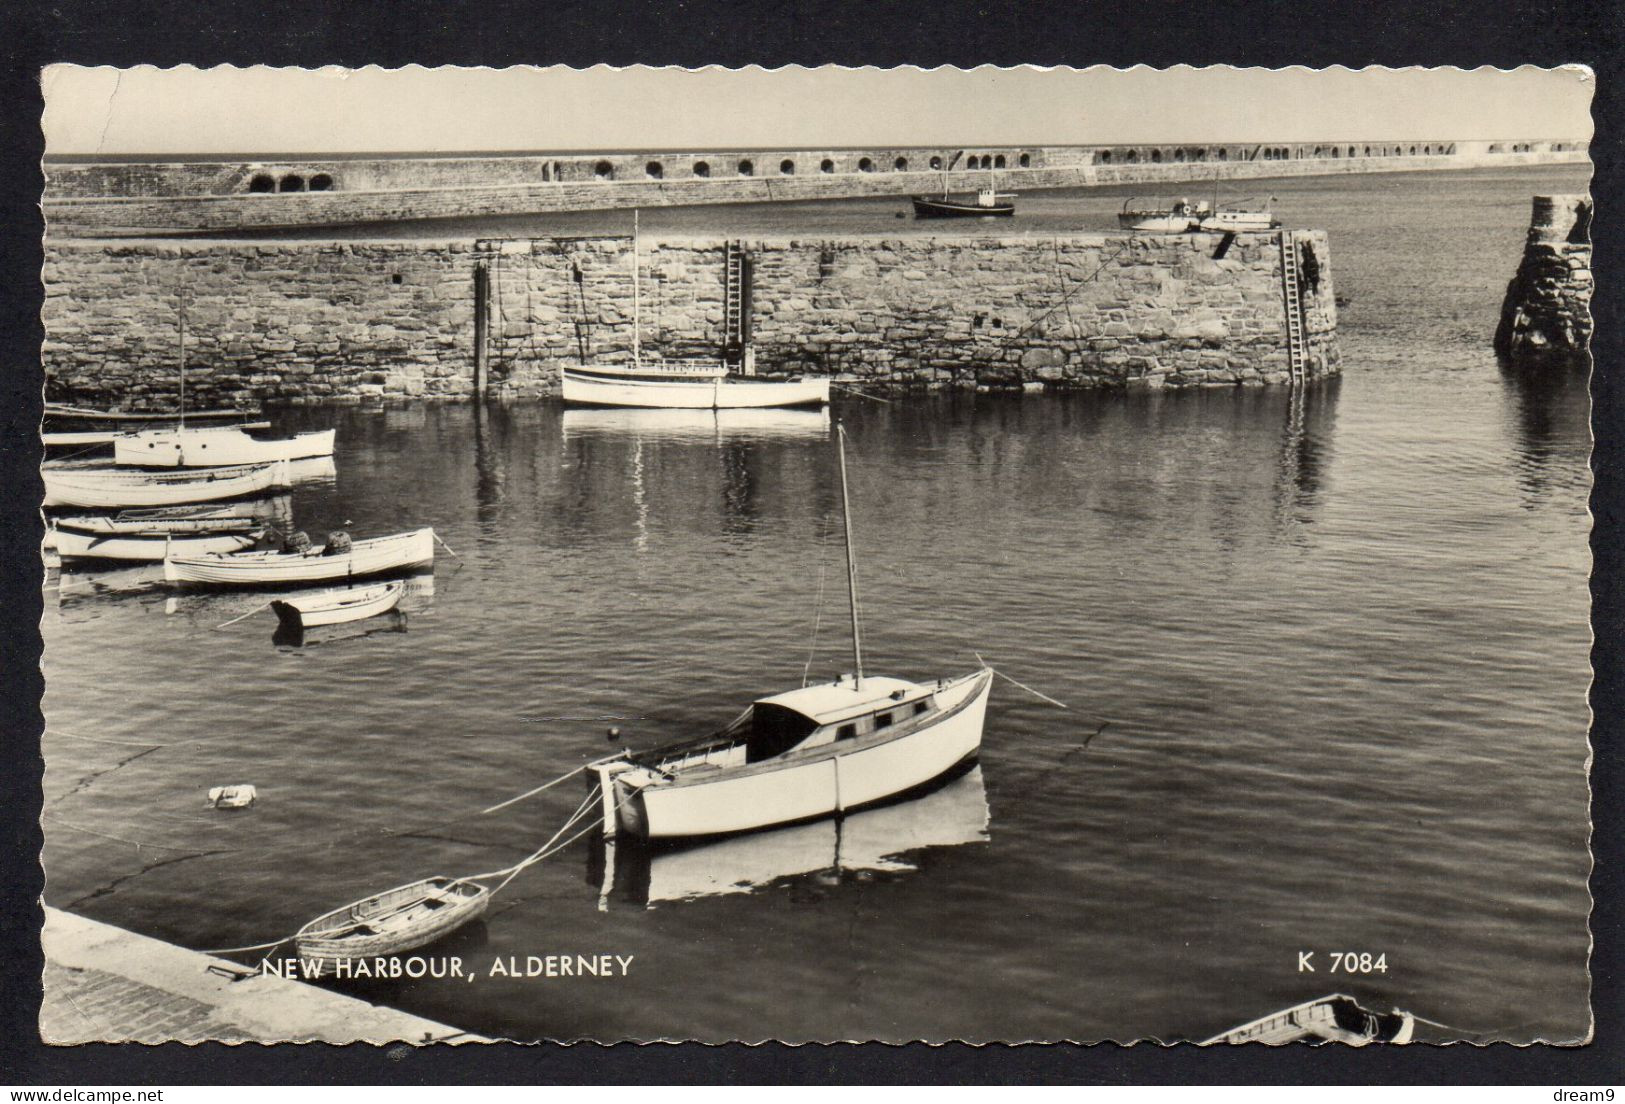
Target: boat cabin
[831,712]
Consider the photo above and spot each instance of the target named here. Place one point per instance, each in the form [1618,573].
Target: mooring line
[533,793]
[1023,685]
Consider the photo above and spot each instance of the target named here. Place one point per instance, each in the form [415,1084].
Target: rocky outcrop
[1546,316]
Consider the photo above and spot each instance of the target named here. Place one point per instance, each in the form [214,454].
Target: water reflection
[696,425]
[490,467]
[882,840]
[1305,450]
[1549,407]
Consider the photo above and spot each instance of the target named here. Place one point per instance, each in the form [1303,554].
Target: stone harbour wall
[1546,315]
[311,321]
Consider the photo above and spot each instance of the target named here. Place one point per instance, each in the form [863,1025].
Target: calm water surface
[1340,641]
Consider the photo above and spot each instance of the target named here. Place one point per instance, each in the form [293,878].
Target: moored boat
[150,546]
[395,921]
[65,416]
[214,447]
[375,556]
[1336,1018]
[1162,217]
[1240,217]
[296,613]
[589,387]
[813,752]
[986,203]
[128,523]
[111,488]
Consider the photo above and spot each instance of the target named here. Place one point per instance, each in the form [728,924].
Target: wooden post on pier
[482,325]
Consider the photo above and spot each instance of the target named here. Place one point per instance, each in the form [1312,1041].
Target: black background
[502,32]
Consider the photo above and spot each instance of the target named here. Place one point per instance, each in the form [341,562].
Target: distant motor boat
[215,447]
[986,203]
[336,607]
[1161,217]
[1241,217]
[375,556]
[104,488]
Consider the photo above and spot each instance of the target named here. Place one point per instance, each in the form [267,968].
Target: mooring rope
[1023,685]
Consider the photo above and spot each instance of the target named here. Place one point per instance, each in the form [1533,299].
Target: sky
[333,110]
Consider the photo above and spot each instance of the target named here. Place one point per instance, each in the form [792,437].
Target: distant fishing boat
[336,607]
[375,556]
[104,488]
[813,752]
[678,386]
[1336,1018]
[987,202]
[215,446]
[393,922]
[147,546]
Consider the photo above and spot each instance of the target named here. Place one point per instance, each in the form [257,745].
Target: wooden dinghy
[364,557]
[817,751]
[215,447]
[395,921]
[1336,1018]
[104,488]
[63,414]
[179,524]
[335,607]
[151,545]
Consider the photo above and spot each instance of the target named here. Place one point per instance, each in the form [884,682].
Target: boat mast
[851,563]
[182,316]
[637,301]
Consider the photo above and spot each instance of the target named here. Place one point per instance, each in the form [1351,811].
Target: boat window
[846,732]
[774,730]
[882,720]
[920,707]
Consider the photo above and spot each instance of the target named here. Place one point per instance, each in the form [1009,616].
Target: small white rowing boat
[591,387]
[393,922]
[149,546]
[365,557]
[109,488]
[179,525]
[335,607]
[215,447]
[1337,1018]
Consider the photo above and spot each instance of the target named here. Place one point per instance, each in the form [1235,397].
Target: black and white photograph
[817,554]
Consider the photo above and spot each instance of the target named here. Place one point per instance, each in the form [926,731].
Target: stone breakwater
[323,321]
[1546,315]
[132,199]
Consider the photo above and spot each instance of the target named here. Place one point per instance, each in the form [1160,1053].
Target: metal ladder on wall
[1297,353]
[733,308]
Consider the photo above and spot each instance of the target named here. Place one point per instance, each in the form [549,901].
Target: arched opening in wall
[291,183]
[998,162]
[1222,154]
[1336,152]
[654,170]
[603,171]
[1413,151]
[1103,157]
[1427,151]
[747,168]
[1200,155]
[702,168]
[787,167]
[865,165]
[1156,156]
[1179,154]
[826,166]
[1025,161]
[321,182]
[900,165]
[1367,152]
[1132,156]
[936,164]
[262,183]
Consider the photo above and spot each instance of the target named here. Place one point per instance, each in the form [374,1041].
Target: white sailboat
[813,752]
[682,386]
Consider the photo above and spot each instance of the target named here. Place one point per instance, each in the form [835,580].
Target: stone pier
[1546,316]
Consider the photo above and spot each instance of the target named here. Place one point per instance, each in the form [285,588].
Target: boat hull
[826,784]
[393,922]
[585,389]
[149,547]
[925,207]
[111,489]
[214,448]
[366,557]
[336,607]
